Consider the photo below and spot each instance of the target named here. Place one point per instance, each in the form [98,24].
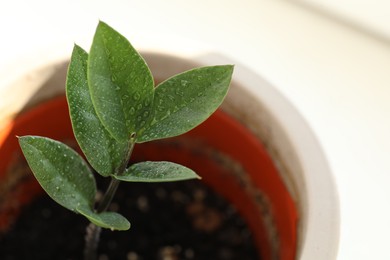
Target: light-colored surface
[336,77]
[372,16]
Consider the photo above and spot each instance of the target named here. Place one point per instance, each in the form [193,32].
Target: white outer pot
[257,105]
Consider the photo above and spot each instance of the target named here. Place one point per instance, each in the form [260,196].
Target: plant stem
[91,241]
[107,198]
[93,232]
[113,186]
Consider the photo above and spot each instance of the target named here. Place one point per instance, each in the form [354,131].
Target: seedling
[114,105]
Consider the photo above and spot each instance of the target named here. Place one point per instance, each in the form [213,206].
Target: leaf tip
[22,138]
[75,46]
[77,49]
[102,24]
[230,68]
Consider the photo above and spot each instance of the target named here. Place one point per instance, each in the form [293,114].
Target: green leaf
[157,172]
[103,152]
[186,100]
[111,220]
[120,83]
[62,172]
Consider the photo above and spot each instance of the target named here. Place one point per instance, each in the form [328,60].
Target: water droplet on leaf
[137,96]
[132,111]
[183,82]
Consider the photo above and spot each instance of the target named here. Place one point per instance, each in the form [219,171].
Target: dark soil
[179,220]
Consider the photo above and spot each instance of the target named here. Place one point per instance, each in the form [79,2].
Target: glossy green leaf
[111,220]
[62,172]
[103,152]
[186,100]
[157,172]
[120,83]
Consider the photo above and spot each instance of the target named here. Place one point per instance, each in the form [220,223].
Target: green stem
[113,186]
[93,232]
[108,196]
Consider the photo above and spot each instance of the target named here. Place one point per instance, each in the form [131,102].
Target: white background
[331,59]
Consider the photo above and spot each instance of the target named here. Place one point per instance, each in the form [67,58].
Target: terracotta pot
[243,152]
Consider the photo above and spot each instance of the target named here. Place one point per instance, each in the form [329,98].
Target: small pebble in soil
[189,253]
[167,253]
[103,257]
[132,256]
[143,203]
[161,193]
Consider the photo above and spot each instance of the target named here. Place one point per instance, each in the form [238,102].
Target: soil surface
[170,221]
